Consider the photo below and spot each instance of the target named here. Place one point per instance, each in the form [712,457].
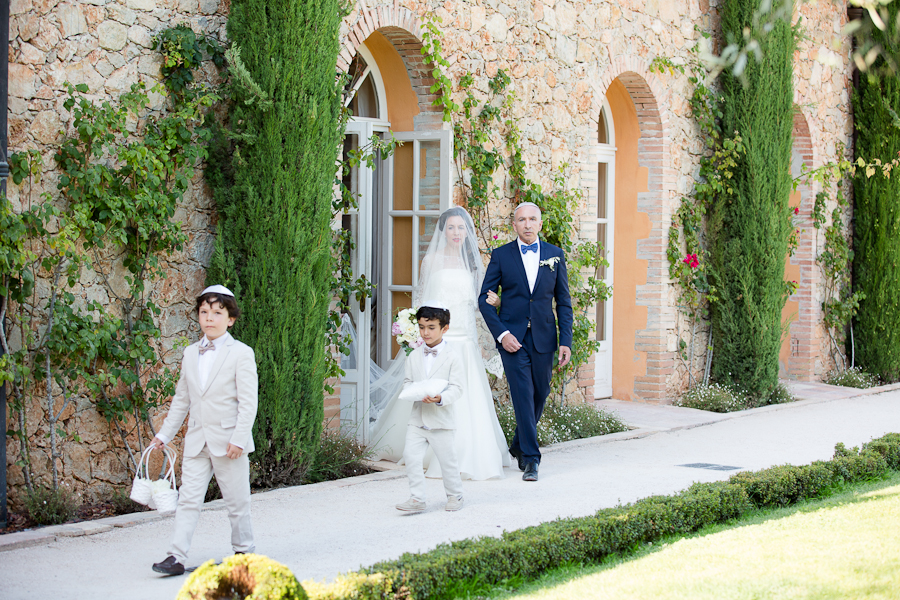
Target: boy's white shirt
[206,360]
[428,359]
[446,365]
[220,410]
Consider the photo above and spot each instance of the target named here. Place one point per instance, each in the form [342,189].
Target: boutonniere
[550,262]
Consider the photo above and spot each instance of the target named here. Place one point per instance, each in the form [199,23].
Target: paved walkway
[321,530]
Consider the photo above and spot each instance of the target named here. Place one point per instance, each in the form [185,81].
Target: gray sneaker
[454,503]
[412,505]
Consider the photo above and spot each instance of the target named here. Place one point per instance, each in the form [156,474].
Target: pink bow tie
[207,348]
[430,351]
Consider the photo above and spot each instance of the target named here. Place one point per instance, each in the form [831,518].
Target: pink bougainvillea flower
[796,210]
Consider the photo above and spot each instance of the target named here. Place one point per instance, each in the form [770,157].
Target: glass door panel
[420,177]
[426,232]
[404,164]
[429,175]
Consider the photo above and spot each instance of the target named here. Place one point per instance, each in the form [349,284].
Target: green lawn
[846,546]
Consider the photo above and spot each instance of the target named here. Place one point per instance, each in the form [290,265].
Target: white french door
[399,201]
[419,190]
[363,184]
[604,156]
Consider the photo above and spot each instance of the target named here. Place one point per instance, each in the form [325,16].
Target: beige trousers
[233,477]
[442,443]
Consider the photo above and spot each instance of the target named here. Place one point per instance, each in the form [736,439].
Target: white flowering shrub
[712,397]
[722,399]
[562,424]
[853,377]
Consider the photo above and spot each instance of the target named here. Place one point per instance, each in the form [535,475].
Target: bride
[451,272]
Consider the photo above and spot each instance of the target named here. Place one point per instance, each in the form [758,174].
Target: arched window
[365,93]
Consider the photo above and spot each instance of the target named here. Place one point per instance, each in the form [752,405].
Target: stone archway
[800,346]
[643,319]
[402,28]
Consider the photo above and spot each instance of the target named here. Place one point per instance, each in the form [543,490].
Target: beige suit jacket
[447,365]
[224,411]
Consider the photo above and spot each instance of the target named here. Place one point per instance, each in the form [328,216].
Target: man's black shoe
[517,454]
[531,472]
[170,566]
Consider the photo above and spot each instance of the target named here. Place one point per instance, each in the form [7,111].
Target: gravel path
[321,530]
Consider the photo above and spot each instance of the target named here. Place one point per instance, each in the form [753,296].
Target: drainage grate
[710,466]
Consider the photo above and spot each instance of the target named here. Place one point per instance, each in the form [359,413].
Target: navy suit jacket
[518,305]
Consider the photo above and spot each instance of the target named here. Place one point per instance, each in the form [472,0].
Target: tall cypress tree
[876,213]
[272,171]
[750,230]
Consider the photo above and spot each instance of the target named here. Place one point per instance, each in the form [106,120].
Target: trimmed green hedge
[526,553]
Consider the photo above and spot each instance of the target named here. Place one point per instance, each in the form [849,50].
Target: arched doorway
[399,199]
[800,345]
[643,319]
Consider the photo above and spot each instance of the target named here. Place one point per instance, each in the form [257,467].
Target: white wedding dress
[480,444]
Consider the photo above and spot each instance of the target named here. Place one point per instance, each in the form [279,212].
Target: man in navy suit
[532,274]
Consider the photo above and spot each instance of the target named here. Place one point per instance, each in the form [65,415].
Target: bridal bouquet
[406,328]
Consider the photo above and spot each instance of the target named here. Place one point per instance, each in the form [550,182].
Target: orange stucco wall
[630,226]
[403,104]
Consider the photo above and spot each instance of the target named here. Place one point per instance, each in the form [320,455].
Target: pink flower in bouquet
[396,329]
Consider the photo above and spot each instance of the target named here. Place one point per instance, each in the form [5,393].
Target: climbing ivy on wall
[688,242]
[121,176]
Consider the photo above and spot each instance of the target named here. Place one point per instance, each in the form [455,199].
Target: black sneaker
[170,566]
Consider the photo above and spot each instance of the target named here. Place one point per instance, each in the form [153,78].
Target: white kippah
[523,204]
[434,304]
[217,289]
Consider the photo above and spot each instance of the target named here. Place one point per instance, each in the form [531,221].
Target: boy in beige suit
[432,422]
[217,391]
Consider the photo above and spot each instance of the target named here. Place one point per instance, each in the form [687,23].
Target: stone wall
[107,45]
[563,55]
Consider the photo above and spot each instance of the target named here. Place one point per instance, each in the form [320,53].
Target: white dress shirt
[428,359]
[205,361]
[532,262]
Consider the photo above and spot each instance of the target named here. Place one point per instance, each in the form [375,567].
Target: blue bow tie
[530,248]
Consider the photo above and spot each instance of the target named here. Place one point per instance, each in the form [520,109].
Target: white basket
[165,495]
[141,487]
[161,494]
